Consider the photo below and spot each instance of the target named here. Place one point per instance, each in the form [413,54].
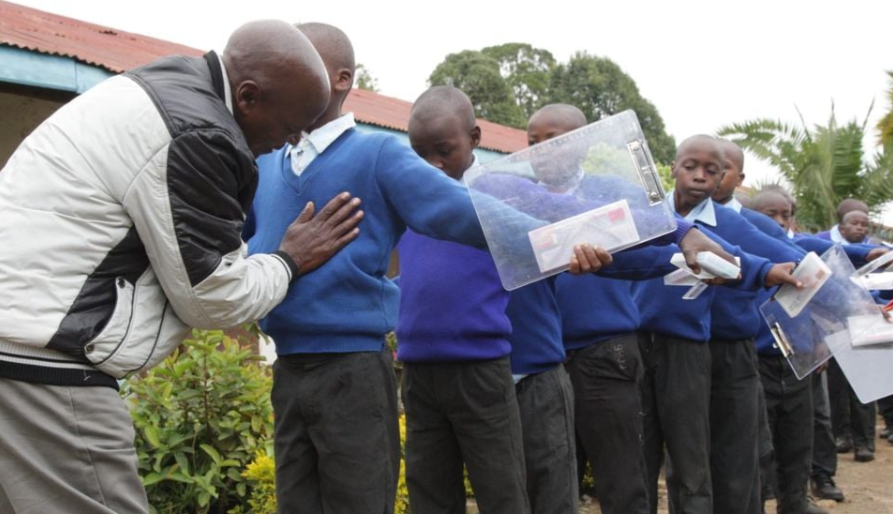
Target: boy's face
[552,167]
[698,170]
[444,143]
[854,227]
[730,180]
[779,209]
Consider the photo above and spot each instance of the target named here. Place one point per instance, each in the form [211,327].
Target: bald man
[120,219]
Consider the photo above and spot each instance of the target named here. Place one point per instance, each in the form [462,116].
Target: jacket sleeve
[188,208]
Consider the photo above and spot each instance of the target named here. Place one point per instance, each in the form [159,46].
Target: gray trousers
[66,449]
[547,426]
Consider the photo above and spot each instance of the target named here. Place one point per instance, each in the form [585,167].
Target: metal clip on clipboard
[781,340]
[647,171]
[823,325]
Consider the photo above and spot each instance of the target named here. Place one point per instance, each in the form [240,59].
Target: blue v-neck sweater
[348,304]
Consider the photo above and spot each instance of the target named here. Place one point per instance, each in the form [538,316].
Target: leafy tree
[508,83]
[363,79]
[527,70]
[600,88]
[478,76]
[885,126]
[824,165]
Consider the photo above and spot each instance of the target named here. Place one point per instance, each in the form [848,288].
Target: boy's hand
[875,253]
[312,240]
[589,259]
[695,241]
[780,274]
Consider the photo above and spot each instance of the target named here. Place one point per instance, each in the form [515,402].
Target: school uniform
[824,450]
[543,386]
[734,398]
[334,389]
[457,387]
[677,382]
[599,326]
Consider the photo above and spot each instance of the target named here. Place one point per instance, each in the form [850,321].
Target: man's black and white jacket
[120,228]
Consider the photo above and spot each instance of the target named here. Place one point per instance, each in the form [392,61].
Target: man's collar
[227,89]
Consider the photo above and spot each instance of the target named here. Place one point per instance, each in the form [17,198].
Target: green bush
[200,417]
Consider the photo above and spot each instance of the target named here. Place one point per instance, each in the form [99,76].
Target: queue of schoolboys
[521,389]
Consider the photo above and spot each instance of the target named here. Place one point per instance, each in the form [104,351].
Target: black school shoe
[812,508]
[864,454]
[824,488]
[890,439]
[886,433]
[844,444]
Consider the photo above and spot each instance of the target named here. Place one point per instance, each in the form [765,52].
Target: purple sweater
[452,304]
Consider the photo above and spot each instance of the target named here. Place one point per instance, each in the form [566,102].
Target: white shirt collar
[837,237]
[324,136]
[227,90]
[703,212]
[733,204]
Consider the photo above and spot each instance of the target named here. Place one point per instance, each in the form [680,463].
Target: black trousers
[789,411]
[849,416]
[463,413]
[734,427]
[547,425]
[607,379]
[336,439]
[675,403]
[885,409]
[824,449]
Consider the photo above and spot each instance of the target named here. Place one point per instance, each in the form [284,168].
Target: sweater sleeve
[187,207]
[426,199]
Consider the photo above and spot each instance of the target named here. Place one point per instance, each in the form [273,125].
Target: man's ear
[673,169]
[475,136]
[248,95]
[740,178]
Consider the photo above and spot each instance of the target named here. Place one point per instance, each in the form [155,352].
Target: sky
[704,64]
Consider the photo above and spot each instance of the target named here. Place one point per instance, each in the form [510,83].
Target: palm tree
[885,126]
[823,166]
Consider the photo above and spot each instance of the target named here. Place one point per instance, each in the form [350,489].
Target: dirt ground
[868,486]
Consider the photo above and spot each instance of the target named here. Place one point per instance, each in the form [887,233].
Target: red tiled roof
[116,51]
[393,113]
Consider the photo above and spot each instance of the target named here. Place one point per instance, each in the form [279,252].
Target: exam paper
[609,227]
[812,272]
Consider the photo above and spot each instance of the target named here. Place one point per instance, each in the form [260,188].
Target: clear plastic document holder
[826,317]
[596,185]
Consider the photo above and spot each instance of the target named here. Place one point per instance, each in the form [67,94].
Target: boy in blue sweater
[453,335]
[334,389]
[787,398]
[677,392]
[543,386]
[598,324]
[735,387]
